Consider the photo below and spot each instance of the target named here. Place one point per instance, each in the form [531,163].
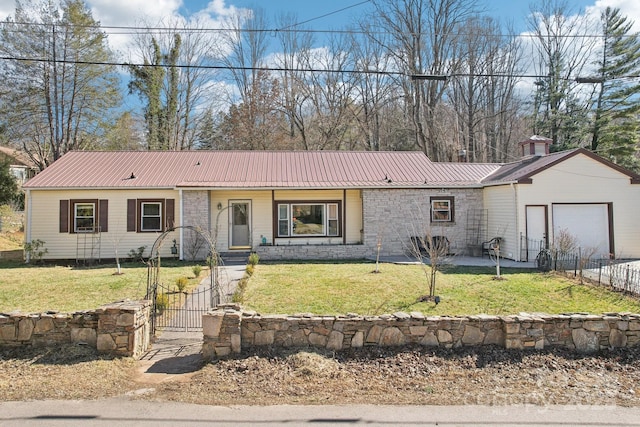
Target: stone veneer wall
[393,215]
[313,252]
[120,328]
[397,214]
[228,330]
[197,213]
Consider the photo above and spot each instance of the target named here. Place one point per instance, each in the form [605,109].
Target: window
[84,217]
[308,219]
[151,216]
[442,209]
[283,220]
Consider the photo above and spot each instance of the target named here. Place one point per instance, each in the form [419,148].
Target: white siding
[261,216]
[581,179]
[353,217]
[503,218]
[45,214]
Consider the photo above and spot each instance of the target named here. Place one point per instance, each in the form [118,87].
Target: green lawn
[30,288]
[317,288]
[354,288]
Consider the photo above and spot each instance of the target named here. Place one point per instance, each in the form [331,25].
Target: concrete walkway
[461,261]
[178,352]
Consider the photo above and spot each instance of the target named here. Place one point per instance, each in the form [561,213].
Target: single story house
[20,165]
[326,204]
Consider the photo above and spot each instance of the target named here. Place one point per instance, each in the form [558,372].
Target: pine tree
[615,124]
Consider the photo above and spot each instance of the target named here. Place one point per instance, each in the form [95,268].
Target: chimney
[462,156]
[535,146]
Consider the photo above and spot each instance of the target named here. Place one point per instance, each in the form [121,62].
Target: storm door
[240,224]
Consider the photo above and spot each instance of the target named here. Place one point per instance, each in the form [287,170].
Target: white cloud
[129,12]
[629,8]
[7,8]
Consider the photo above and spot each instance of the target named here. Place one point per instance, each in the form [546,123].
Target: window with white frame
[84,217]
[151,216]
[442,209]
[308,219]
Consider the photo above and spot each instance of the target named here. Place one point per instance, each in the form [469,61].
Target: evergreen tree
[8,186]
[615,124]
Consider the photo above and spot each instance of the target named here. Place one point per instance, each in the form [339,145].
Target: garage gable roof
[254,169]
[522,171]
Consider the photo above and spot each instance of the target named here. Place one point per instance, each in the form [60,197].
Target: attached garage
[589,224]
[534,202]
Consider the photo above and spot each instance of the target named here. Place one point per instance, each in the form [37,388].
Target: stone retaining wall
[228,330]
[14,255]
[120,328]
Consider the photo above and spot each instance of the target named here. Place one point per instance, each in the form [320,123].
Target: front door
[537,223]
[240,225]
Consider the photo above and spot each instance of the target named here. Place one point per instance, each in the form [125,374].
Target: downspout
[517,225]
[27,236]
[181,230]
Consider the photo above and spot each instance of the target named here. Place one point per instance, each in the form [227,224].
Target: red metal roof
[523,170]
[254,169]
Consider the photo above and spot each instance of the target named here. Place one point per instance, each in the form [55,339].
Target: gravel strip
[407,375]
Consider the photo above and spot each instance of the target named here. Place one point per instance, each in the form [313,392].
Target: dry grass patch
[63,372]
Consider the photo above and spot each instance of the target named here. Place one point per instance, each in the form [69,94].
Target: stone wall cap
[401,315]
[483,316]
[417,315]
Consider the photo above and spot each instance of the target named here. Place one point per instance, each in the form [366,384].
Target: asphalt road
[126,412]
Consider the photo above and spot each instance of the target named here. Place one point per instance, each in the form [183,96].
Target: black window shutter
[64,216]
[103,215]
[170,212]
[131,214]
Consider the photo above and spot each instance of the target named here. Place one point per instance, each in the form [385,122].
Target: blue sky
[124,12]
[130,12]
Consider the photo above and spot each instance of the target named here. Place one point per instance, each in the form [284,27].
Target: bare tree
[295,45]
[376,98]
[59,99]
[242,49]
[561,55]
[426,242]
[484,96]
[422,40]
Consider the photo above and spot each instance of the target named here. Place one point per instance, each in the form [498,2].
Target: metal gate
[181,310]
[175,310]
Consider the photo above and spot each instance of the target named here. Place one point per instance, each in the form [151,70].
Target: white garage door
[588,223]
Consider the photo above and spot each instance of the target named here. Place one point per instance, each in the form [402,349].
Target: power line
[308,70]
[200,66]
[323,16]
[132,30]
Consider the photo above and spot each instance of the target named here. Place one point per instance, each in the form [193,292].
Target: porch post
[181,229]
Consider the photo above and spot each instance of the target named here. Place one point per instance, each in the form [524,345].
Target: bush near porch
[322,288]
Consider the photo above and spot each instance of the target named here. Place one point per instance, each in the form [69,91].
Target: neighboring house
[20,165]
[315,204]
